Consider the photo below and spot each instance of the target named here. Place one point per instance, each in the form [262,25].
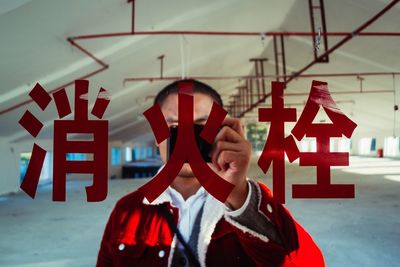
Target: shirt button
[161,253]
[269,208]
[182,261]
[121,247]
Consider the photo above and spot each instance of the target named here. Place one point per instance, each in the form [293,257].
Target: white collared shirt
[188,209]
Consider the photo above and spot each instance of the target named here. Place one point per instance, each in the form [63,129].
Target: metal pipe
[342,93]
[223,33]
[345,92]
[332,93]
[133,16]
[254,77]
[346,39]
[323,18]
[332,49]
[251,91]
[312,24]
[321,9]
[262,74]
[161,58]
[215,33]
[103,65]
[100,62]
[286,105]
[257,73]
[276,58]
[53,90]
[248,93]
[283,57]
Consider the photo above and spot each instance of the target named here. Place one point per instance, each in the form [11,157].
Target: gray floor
[364,231]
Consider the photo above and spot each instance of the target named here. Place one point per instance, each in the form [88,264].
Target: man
[186,226]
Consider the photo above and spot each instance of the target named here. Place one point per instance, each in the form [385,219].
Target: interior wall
[9,166]
[10,157]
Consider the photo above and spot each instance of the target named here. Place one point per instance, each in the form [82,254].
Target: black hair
[198,87]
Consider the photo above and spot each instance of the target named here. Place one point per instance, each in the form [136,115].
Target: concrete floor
[364,231]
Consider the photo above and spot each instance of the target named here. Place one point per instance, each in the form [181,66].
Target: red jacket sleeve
[308,253]
[297,247]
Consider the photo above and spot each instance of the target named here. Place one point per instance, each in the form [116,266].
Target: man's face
[202,108]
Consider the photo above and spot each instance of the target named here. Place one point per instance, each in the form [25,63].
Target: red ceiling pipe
[283,57]
[345,92]
[222,33]
[103,67]
[303,103]
[53,90]
[133,16]
[346,39]
[100,62]
[349,74]
[286,105]
[321,10]
[253,77]
[161,58]
[276,56]
[332,49]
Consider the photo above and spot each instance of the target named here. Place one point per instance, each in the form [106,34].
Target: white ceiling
[34,49]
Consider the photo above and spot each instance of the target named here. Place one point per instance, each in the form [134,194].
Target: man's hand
[231,158]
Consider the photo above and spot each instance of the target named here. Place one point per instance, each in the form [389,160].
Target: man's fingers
[225,158]
[228,134]
[228,144]
[235,124]
[221,146]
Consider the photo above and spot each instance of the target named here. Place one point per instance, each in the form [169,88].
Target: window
[373,144]
[128,154]
[256,135]
[391,147]
[76,156]
[23,166]
[143,153]
[136,153]
[47,168]
[115,156]
[332,145]
[344,145]
[308,145]
[364,146]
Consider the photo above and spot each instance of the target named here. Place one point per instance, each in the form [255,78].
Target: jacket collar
[164,197]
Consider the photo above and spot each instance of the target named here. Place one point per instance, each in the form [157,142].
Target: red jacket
[137,234]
